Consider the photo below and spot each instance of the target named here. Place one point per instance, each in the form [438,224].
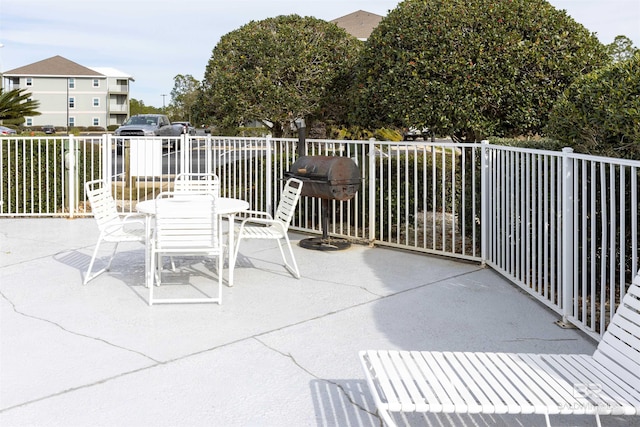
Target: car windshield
[136,121]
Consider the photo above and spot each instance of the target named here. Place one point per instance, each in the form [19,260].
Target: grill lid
[328,177]
[334,170]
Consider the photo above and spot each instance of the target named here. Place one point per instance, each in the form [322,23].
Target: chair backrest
[288,201]
[197,183]
[188,223]
[103,205]
[619,348]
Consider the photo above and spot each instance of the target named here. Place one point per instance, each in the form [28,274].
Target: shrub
[599,113]
[469,69]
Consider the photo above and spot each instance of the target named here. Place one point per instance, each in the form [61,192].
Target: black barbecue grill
[328,178]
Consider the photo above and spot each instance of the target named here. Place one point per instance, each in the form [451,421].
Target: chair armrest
[133,215]
[263,221]
[133,219]
[258,214]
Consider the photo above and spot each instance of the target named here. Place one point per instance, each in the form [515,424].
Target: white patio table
[226,206]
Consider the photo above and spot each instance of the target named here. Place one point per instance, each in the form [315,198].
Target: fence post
[107,164]
[484,195]
[269,181]
[70,163]
[566,286]
[372,190]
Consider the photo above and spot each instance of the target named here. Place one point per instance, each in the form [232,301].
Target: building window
[96,121]
[29,81]
[72,122]
[29,121]
[96,102]
[96,83]
[72,102]
[72,83]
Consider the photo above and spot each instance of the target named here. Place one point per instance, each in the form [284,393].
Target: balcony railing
[562,226]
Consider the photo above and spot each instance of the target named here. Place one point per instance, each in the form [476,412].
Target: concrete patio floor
[278,351]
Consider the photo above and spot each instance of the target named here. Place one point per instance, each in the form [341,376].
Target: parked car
[49,129]
[188,128]
[413,133]
[7,131]
[149,125]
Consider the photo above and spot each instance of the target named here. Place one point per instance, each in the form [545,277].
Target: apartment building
[72,95]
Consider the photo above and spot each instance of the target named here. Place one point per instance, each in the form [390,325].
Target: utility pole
[163,107]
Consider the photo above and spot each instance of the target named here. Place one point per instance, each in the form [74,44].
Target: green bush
[38,165]
[599,113]
[469,69]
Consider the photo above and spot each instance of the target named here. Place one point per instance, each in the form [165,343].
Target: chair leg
[113,254]
[293,267]
[88,277]
[152,274]
[220,267]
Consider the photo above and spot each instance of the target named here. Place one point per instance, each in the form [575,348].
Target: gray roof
[54,66]
[359,24]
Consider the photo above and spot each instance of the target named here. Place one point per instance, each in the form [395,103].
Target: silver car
[188,128]
[7,131]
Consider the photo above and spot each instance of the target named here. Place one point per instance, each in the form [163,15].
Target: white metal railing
[562,226]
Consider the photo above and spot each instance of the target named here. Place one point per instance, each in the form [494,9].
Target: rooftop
[278,351]
[54,66]
[359,24]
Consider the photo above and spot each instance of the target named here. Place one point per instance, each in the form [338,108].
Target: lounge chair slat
[607,382]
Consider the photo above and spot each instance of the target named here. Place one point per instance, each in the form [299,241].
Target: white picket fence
[562,226]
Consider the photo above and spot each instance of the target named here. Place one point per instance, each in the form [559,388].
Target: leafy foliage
[276,70]
[599,113]
[621,49]
[184,96]
[138,107]
[471,69]
[15,104]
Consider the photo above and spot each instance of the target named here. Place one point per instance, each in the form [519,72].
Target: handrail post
[566,286]
[269,180]
[70,165]
[484,195]
[107,163]
[372,190]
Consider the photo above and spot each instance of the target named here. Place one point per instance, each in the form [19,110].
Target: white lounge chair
[261,225]
[185,226]
[605,383]
[114,227]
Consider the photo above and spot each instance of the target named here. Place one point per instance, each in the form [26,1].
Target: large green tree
[276,70]
[138,107]
[472,68]
[600,112]
[184,97]
[15,105]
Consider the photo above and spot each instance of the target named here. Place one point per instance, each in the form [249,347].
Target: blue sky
[154,40]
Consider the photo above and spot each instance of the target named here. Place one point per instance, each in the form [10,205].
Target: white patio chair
[185,226]
[114,226]
[261,225]
[197,183]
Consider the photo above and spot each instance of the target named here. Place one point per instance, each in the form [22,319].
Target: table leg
[231,249]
